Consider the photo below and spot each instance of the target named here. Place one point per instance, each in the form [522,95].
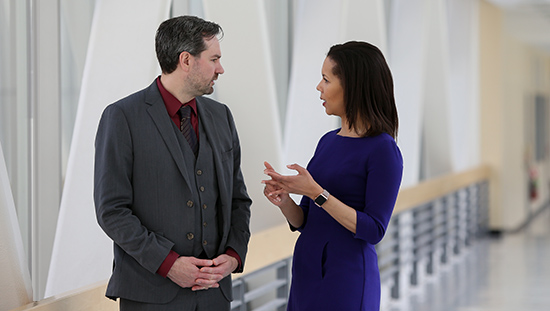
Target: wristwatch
[322,198]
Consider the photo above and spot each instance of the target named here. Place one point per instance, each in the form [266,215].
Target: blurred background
[472,86]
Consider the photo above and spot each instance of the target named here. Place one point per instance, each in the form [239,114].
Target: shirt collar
[172,104]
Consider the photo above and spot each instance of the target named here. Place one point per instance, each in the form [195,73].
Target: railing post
[444,258]
[397,263]
[283,273]
[414,265]
[466,216]
[238,303]
[432,238]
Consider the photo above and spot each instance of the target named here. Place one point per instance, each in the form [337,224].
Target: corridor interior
[506,273]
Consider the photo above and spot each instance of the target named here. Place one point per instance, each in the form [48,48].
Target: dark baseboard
[497,233]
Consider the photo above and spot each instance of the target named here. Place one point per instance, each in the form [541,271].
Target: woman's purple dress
[334,269]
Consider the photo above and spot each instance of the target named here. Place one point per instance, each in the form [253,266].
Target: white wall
[463,83]
[120,61]
[15,283]
[436,116]
[433,56]
[407,46]
[248,88]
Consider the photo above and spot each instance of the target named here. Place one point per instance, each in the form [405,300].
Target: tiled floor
[511,273]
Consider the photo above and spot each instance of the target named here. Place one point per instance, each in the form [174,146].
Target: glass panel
[388,14]
[279,18]
[14,107]
[76,23]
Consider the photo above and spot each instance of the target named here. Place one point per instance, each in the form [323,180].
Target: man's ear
[185,60]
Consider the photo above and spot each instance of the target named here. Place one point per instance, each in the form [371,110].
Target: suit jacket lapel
[165,126]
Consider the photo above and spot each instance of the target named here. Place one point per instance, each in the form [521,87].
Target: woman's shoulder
[383,138]
[328,135]
[385,146]
[332,133]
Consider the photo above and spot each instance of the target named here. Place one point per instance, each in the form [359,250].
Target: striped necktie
[187,129]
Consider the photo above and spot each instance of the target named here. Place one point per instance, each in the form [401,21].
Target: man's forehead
[212,47]
[212,43]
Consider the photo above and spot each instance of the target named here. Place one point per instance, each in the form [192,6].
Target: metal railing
[422,237]
[418,239]
[272,293]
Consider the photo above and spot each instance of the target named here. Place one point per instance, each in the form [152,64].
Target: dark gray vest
[204,185]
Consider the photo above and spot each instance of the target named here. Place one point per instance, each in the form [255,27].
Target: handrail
[429,190]
[269,246]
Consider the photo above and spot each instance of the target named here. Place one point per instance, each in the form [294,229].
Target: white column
[436,116]
[407,48]
[15,283]
[120,60]
[317,28]
[364,21]
[45,135]
[463,83]
[248,88]
[76,21]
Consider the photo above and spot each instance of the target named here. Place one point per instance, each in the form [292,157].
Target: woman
[349,187]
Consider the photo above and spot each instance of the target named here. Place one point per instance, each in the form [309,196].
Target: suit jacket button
[190,236]
[202,188]
[204,242]
[204,206]
[190,203]
[204,224]
[199,172]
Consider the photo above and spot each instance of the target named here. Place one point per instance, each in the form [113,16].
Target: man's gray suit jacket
[141,190]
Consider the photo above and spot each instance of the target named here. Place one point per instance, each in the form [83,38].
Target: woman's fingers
[297,167]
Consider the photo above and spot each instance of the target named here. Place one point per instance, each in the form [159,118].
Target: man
[168,186]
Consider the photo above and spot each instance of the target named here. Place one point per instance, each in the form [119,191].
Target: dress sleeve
[304,205]
[305,201]
[384,172]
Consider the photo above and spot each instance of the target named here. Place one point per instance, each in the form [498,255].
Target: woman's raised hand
[279,185]
[274,193]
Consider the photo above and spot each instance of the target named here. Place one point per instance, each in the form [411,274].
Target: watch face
[320,200]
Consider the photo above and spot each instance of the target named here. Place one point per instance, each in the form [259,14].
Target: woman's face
[332,92]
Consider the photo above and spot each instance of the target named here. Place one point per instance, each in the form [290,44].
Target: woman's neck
[346,130]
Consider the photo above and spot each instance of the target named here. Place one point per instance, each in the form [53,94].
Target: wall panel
[407,46]
[436,116]
[248,88]
[120,60]
[463,83]
[15,283]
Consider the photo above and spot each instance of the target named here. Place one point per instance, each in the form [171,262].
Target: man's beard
[202,88]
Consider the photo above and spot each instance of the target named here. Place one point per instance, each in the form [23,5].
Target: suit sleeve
[239,233]
[113,193]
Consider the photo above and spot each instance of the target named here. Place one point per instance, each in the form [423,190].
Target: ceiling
[528,20]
